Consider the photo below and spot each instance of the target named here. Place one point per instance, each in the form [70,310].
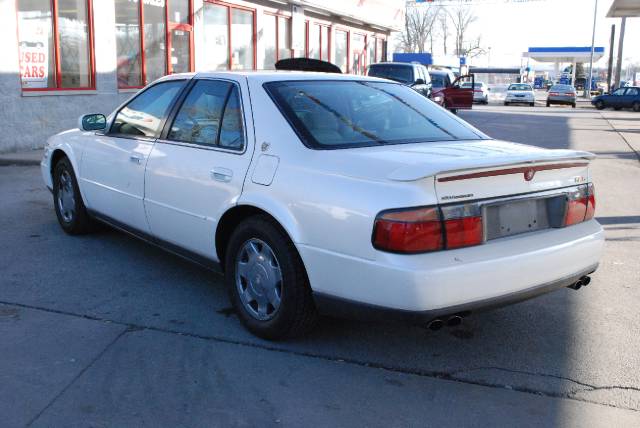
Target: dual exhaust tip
[438,323]
[582,282]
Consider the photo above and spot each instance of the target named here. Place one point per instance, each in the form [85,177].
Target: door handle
[136,159]
[222,174]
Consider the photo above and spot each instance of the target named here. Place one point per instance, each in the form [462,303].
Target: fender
[277,210]
[70,143]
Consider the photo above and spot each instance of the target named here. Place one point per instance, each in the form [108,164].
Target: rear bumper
[561,100]
[344,308]
[501,269]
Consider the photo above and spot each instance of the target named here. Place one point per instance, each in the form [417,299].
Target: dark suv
[413,75]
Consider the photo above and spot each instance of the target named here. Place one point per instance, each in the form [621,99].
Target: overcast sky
[511,28]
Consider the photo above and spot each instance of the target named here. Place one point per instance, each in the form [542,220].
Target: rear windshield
[438,80]
[519,87]
[344,114]
[562,88]
[400,73]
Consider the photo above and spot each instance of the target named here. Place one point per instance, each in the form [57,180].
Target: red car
[447,90]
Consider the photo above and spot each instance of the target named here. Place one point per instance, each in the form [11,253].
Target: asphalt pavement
[105,330]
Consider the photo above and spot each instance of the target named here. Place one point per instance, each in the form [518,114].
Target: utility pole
[610,67]
[587,90]
[620,45]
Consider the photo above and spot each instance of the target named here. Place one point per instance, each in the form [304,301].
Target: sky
[511,28]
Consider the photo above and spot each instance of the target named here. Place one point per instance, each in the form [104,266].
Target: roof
[624,8]
[273,75]
[564,53]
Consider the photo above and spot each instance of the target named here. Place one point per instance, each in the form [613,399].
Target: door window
[619,91]
[144,115]
[210,116]
[632,92]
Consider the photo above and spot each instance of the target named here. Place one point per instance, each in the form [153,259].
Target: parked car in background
[520,93]
[413,212]
[626,97]
[447,90]
[562,94]
[416,76]
[480,92]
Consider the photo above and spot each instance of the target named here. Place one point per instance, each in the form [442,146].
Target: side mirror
[92,122]
[419,81]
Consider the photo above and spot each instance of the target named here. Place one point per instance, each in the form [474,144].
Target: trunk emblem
[528,174]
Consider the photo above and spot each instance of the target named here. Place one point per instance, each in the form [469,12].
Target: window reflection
[269,40]
[154,40]
[216,37]
[242,39]
[128,44]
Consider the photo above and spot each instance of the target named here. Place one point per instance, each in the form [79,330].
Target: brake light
[570,94]
[409,231]
[554,94]
[428,229]
[581,205]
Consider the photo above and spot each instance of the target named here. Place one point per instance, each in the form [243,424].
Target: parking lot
[105,330]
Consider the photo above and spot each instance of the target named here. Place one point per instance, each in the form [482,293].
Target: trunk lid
[489,168]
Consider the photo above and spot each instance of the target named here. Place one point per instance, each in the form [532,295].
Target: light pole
[587,90]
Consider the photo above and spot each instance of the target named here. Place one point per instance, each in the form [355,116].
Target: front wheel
[548,104]
[506,103]
[70,210]
[532,104]
[573,105]
[267,281]
[600,105]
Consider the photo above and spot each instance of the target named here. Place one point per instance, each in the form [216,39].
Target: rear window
[438,80]
[519,87]
[343,114]
[562,88]
[399,73]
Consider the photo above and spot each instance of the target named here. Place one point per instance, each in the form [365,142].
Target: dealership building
[64,58]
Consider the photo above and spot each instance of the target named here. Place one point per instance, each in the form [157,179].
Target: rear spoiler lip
[421,171]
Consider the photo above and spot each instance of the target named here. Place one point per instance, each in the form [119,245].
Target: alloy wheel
[66,197]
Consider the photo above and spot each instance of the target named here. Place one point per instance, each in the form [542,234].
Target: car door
[459,97]
[196,169]
[629,97]
[112,166]
[418,76]
[616,99]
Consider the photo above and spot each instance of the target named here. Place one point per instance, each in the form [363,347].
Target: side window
[619,91]
[232,132]
[632,91]
[211,116]
[143,116]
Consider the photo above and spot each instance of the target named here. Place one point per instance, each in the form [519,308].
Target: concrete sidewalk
[27,158]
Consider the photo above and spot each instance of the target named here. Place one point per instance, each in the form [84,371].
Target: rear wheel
[267,282]
[506,103]
[573,105]
[548,104]
[617,108]
[636,106]
[600,105]
[532,104]
[70,210]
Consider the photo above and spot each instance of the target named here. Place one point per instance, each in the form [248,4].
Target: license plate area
[509,218]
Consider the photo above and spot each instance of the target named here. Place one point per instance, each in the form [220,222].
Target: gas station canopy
[564,54]
[624,8]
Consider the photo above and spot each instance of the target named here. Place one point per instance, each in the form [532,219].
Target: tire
[532,104]
[548,104]
[67,200]
[636,106]
[573,105]
[506,103]
[600,105]
[454,110]
[617,108]
[292,311]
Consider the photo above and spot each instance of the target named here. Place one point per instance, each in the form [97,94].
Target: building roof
[624,8]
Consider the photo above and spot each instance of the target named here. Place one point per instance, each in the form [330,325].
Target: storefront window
[222,39]
[380,56]
[340,60]
[269,37]
[216,37]
[128,44]
[41,42]
[324,43]
[242,39]
[357,52]
[284,38]
[371,50]
[161,56]
[314,41]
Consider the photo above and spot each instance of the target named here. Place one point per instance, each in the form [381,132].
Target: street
[106,330]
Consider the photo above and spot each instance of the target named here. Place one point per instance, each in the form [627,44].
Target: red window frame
[169,26]
[254,36]
[56,50]
[278,16]
[320,25]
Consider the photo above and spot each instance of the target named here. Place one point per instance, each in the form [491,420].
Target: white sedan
[318,193]
[520,93]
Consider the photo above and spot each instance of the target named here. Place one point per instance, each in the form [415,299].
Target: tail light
[554,94]
[581,205]
[428,229]
[570,94]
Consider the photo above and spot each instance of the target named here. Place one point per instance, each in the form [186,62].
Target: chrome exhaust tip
[585,280]
[576,286]
[435,324]
[454,321]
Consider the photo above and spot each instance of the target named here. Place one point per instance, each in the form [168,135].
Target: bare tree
[443,19]
[461,17]
[419,23]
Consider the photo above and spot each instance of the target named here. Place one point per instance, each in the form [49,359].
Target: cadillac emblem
[528,174]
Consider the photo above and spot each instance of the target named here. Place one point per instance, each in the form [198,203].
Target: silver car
[562,94]
[480,92]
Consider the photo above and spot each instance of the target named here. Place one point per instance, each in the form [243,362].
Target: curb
[19,162]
